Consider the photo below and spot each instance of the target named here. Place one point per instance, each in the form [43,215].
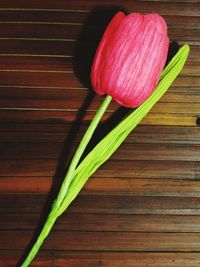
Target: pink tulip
[130,58]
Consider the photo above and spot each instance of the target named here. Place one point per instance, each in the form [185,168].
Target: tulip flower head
[130,58]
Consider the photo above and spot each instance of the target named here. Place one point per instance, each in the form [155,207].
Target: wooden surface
[142,208]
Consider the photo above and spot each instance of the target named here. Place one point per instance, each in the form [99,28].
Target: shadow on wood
[83,56]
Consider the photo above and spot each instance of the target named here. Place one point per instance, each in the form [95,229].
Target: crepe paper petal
[130,58]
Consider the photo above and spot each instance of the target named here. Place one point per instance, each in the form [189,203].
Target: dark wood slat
[112,259]
[168,8]
[68,80]
[63,16]
[125,152]
[141,187]
[146,6]
[40,132]
[105,204]
[66,31]
[180,34]
[41,79]
[71,102]
[112,168]
[174,94]
[174,101]
[47,116]
[65,64]
[106,222]
[45,64]
[145,200]
[50,116]
[34,52]
[182,21]
[38,47]
[165,152]
[106,241]
[109,186]
[191,68]
[12,30]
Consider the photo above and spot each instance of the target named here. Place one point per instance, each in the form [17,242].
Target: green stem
[51,219]
[81,148]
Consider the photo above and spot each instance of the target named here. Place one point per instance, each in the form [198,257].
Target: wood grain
[113,168]
[169,8]
[51,132]
[139,209]
[137,151]
[106,204]
[67,31]
[106,241]
[106,222]
[112,259]
[107,186]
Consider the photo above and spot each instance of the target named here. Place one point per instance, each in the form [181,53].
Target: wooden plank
[58,116]
[105,204]
[43,79]
[139,187]
[167,8]
[109,186]
[111,259]
[61,31]
[174,95]
[45,64]
[52,63]
[170,119]
[112,168]
[106,222]
[182,21]
[61,16]
[14,49]
[72,31]
[61,64]
[47,132]
[71,102]
[47,52]
[145,200]
[125,152]
[191,68]
[158,152]
[106,241]
[54,116]
[73,16]
[63,98]
[67,80]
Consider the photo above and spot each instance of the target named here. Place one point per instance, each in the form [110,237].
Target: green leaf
[108,145]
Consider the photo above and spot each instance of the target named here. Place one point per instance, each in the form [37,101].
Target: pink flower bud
[130,58]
